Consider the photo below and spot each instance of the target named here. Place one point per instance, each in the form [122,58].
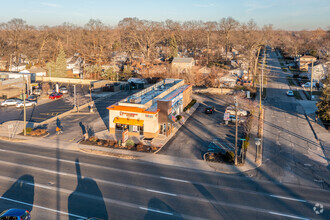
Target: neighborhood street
[291,152]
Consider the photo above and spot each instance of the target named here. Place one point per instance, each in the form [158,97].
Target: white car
[308,85]
[9,102]
[240,112]
[27,104]
[64,90]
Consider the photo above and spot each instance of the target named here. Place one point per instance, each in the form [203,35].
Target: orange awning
[126,121]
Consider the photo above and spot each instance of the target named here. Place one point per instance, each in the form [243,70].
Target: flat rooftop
[151,92]
[168,97]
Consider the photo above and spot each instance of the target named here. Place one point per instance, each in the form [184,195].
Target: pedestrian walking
[58,130]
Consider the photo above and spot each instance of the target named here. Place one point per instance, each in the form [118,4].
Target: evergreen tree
[60,64]
[173,47]
[323,105]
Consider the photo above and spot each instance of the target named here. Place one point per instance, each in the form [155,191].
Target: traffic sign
[226,116]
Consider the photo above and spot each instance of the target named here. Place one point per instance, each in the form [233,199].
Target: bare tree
[226,27]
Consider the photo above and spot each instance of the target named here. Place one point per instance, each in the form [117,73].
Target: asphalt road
[291,152]
[193,138]
[58,184]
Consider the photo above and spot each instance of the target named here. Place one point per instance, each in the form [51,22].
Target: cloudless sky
[284,14]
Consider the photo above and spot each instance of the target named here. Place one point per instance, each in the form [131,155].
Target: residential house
[228,80]
[303,62]
[182,65]
[38,71]
[320,71]
[75,64]
[17,67]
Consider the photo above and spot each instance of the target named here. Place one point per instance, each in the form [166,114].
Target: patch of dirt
[116,155]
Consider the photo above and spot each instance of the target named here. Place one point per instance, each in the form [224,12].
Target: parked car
[209,109]
[50,91]
[55,95]
[240,112]
[289,93]
[27,104]
[9,102]
[32,98]
[37,92]
[233,119]
[308,85]
[63,90]
[15,214]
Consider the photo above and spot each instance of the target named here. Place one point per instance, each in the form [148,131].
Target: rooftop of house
[183,60]
[308,57]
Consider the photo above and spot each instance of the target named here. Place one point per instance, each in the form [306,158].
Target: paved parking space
[193,138]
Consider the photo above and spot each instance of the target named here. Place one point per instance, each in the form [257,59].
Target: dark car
[15,214]
[209,109]
[55,95]
[32,98]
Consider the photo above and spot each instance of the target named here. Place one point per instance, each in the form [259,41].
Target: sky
[283,14]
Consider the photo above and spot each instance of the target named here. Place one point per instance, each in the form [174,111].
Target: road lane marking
[289,216]
[288,198]
[41,207]
[160,192]
[140,174]
[38,185]
[154,210]
[176,180]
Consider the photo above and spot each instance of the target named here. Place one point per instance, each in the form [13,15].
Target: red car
[55,95]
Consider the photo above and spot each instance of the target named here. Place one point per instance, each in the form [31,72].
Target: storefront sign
[124,136]
[130,115]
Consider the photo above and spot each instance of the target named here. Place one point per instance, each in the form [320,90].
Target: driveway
[193,138]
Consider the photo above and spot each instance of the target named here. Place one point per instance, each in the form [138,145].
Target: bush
[130,143]
[93,139]
[28,130]
[189,105]
[178,117]
[38,132]
[229,156]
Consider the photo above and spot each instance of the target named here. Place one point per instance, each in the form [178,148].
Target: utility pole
[74,97]
[236,129]
[260,83]
[312,80]
[24,107]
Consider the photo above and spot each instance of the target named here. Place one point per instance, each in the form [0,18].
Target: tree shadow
[19,195]
[87,199]
[157,209]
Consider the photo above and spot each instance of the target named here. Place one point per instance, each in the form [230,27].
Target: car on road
[27,104]
[240,112]
[289,93]
[32,98]
[15,214]
[232,118]
[63,90]
[9,102]
[55,95]
[209,109]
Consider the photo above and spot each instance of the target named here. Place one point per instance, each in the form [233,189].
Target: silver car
[27,104]
[9,102]
[240,112]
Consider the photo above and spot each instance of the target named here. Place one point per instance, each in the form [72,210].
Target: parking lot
[193,138]
[45,107]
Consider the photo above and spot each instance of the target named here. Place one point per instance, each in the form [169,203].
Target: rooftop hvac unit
[135,100]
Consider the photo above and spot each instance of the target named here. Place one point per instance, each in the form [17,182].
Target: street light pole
[236,128]
[312,80]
